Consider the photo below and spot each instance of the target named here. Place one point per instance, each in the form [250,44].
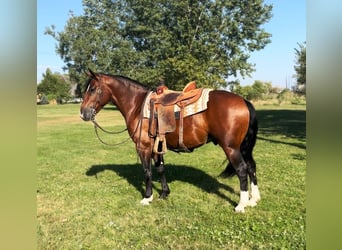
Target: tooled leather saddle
[163,118]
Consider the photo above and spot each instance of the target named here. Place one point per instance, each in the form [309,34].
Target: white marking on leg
[255,196]
[146,201]
[244,197]
[255,193]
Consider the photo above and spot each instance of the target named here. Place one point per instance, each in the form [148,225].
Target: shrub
[284,95]
[43,100]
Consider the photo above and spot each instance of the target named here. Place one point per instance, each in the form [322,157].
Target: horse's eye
[92,90]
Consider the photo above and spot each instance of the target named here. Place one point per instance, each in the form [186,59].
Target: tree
[174,40]
[300,68]
[258,90]
[54,86]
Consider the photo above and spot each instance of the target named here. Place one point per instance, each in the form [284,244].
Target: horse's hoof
[240,208]
[252,202]
[255,193]
[146,201]
[164,195]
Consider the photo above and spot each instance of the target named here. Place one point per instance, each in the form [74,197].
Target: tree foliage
[54,86]
[257,91]
[300,68]
[171,40]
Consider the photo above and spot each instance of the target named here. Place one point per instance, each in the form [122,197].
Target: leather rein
[96,125]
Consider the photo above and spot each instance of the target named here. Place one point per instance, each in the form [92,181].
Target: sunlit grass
[88,194]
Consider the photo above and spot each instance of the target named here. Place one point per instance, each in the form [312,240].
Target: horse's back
[227,116]
[224,103]
[225,121]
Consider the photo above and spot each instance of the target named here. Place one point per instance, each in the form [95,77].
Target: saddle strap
[152,128]
[180,131]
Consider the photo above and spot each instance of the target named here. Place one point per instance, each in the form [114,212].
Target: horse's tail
[248,142]
[251,136]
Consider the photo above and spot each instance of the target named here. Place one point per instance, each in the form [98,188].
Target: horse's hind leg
[251,168]
[159,163]
[235,158]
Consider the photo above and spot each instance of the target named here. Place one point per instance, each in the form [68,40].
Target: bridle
[96,125]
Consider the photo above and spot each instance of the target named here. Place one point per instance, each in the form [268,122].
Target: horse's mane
[131,81]
[123,79]
[87,84]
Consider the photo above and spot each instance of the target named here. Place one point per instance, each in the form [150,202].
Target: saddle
[163,117]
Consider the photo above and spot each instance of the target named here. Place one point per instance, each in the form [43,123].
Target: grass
[88,194]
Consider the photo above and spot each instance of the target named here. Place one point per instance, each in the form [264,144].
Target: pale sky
[273,64]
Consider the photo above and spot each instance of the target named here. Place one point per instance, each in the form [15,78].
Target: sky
[272,64]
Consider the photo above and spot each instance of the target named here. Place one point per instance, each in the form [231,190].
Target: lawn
[88,194]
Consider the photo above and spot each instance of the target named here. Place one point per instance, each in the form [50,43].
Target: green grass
[88,194]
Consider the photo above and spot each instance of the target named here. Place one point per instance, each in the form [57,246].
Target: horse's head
[95,96]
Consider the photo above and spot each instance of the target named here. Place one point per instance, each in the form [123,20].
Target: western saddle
[163,116]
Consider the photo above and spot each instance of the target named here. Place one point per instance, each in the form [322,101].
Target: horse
[229,121]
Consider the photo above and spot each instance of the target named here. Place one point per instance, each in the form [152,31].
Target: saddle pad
[194,108]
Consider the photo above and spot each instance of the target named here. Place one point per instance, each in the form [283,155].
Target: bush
[43,100]
[263,92]
[55,86]
[284,95]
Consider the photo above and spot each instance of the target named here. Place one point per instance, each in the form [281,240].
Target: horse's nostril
[87,114]
[84,116]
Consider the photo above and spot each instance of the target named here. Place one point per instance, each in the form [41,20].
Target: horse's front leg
[146,162]
[160,167]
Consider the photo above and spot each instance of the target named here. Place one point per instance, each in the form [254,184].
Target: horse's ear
[91,74]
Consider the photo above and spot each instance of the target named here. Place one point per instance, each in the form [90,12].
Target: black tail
[248,142]
[251,136]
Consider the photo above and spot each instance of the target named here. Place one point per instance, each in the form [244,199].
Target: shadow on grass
[287,123]
[299,145]
[134,175]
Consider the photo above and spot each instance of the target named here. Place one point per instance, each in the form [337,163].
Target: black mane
[121,78]
[130,80]
[87,84]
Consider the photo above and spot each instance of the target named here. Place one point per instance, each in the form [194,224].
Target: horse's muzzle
[87,114]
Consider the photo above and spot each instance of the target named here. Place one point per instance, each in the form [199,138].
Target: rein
[96,125]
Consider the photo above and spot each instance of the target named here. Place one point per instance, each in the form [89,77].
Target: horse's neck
[129,100]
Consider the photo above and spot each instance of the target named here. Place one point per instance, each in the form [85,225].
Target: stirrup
[156,146]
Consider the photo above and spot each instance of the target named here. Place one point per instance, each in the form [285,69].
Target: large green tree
[173,40]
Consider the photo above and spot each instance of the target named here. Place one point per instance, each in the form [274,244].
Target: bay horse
[229,121]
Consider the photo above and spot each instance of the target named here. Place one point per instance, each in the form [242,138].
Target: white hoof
[255,193]
[252,202]
[240,208]
[146,201]
[245,201]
